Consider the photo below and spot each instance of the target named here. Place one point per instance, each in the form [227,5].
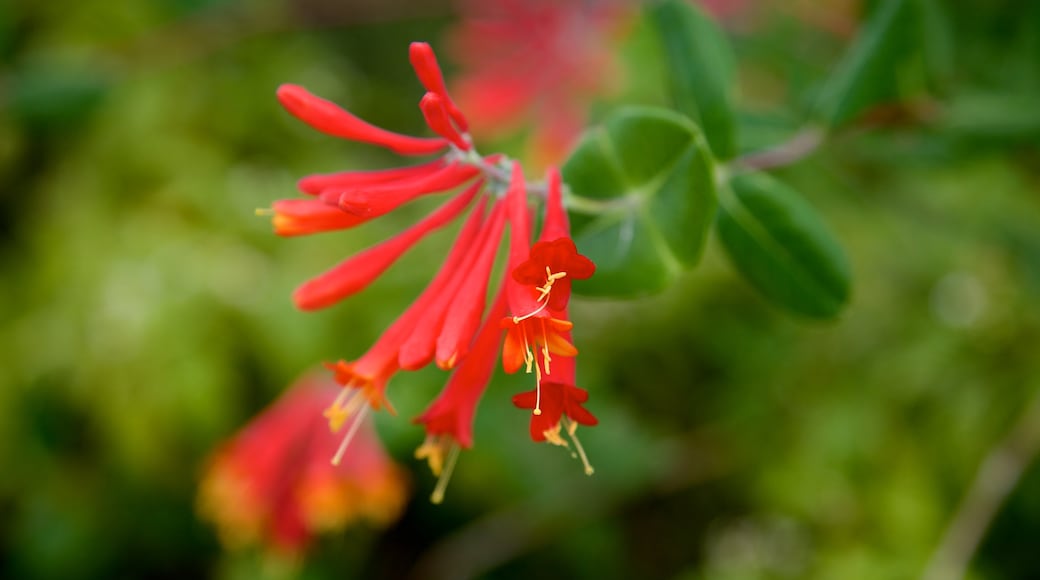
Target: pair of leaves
[643,197]
[643,189]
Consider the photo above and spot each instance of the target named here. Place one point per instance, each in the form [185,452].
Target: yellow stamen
[550,279]
[432,450]
[358,420]
[572,427]
[528,355]
[442,482]
[546,359]
[519,319]
[345,405]
[553,436]
[538,396]
[263,211]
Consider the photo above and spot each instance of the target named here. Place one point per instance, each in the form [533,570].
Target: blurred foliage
[145,313]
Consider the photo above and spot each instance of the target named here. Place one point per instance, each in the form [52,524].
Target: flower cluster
[273,484]
[449,323]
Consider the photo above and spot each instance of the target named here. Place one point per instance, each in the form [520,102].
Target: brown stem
[798,147]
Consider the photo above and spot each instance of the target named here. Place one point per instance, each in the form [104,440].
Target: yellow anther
[572,426]
[263,211]
[433,450]
[550,279]
[553,436]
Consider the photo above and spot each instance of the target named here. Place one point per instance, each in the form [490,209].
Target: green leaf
[642,197]
[55,96]
[701,68]
[937,43]
[779,243]
[869,72]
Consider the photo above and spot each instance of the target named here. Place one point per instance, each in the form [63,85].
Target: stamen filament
[519,319]
[358,419]
[572,427]
[546,359]
[449,467]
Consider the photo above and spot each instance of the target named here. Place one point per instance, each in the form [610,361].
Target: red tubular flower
[557,406]
[531,326]
[331,119]
[298,217]
[376,200]
[449,419]
[467,304]
[551,268]
[422,344]
[315,184]
[429,72]
[358,271]
[272,483]
[554,260]
[365,379]
[438,118]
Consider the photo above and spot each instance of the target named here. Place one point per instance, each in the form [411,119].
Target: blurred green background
[145,312]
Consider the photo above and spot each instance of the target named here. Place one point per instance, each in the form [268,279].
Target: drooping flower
[448,323]
[559,409]
[449,418]
[272,483]
[540,285]
[554,260]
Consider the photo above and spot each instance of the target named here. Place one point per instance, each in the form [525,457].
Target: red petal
[358,271]
[329,118]
[437,118]
[379,200]
[468,303]
[424,61]
[419,348]
[315,184]
[296,217]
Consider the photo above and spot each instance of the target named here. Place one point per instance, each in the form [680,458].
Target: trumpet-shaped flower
[273,484]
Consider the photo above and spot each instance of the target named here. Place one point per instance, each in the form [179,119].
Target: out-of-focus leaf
[780,244]
[700,66]
[642,186]
[52,97]
[937,43]
[869,72]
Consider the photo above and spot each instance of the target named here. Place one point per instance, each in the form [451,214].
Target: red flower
[447,322]
[329,118]
[449,418]
[273,483]
[355,273]
[554,260]
[557,406]
[535,63]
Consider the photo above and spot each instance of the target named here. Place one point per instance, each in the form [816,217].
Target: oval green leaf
[642,197]
[869,73]
[701,69]
[783,248]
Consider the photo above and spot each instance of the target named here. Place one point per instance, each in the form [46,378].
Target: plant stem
[804,143]
[997,477]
